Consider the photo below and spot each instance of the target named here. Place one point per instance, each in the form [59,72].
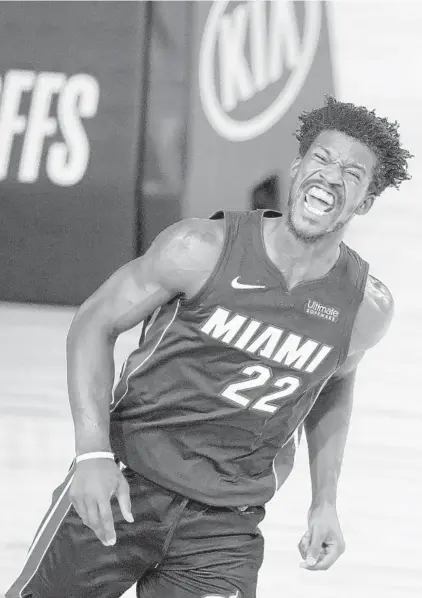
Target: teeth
[314,210]
[322,195]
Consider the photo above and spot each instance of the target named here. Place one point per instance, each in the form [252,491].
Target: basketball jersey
[221,382]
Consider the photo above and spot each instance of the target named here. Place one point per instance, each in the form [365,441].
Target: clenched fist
[323,543]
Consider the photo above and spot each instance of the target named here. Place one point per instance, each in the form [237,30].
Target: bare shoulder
[378,296]
[192,239]
[374,316]
[178,261]
[185,253]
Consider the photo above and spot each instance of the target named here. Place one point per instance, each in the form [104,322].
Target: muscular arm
[327,424]
[178,262]
[326,430]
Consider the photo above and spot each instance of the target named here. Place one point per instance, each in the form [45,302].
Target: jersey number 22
[259,376]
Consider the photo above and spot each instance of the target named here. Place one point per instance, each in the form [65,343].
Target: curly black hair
[380,135]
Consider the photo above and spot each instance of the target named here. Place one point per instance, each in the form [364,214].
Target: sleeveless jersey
[221,382]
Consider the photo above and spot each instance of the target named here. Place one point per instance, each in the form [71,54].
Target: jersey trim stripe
[296,438]
[275,476]
[43,538]
[152,320]
[144,361]
[145,328]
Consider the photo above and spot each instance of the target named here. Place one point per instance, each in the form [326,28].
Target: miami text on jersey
[278,345]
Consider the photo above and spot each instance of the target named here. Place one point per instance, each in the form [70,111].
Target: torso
[375,304]
[226,374]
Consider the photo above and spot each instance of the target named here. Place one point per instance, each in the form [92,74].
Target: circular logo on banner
[253,63]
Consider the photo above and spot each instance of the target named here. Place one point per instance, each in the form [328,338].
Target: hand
[94,483]
[323,543]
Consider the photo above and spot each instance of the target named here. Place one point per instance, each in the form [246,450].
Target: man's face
[330,185]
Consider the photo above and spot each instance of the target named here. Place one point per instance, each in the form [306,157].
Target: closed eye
[354,174]
[321,158]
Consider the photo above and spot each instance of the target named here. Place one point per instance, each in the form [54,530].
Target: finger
[123,497]
[304,545]
[94,521]
[309,563]
[79,507]
[107,522]
[331,553]
[315,549]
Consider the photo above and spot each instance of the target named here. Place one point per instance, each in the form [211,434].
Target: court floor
[380,497]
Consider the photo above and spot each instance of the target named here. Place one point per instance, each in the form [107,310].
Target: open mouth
[318,201]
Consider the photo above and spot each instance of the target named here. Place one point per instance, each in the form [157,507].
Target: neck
[300,260]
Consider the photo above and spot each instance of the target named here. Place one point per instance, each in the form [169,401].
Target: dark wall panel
[163,162]
[70,114]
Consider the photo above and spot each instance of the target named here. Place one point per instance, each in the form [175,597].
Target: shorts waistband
[189,501]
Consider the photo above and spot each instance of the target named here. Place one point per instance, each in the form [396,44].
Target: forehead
[345,148]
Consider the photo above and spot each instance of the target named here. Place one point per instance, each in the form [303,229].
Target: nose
[332,174]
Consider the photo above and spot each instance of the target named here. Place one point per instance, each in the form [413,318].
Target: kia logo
[245,51]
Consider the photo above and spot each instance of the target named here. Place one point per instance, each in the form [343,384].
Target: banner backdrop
[255,67]
[70,116]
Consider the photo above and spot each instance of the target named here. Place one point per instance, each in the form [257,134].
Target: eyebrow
[357,165]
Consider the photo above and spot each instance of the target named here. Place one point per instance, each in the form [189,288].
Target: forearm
[326,427]
[90,376]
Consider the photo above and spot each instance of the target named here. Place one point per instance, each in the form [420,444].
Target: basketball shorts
[176,548]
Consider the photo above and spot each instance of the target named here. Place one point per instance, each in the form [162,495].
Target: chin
[309,237]
[307,234]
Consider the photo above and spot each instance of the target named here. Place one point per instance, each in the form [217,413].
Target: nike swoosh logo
[238,285]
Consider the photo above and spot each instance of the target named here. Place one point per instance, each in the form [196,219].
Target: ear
[295,165]
[366,205]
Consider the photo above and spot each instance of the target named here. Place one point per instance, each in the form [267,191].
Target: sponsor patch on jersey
[319,310]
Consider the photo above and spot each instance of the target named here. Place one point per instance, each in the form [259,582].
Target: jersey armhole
[359,284]
[363,277]
[220,264]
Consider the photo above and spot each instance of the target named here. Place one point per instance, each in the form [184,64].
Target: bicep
[335,398]
[374,316]
[372,323]
[136,289]
[129,296]
[349,366]
[126,298]
[178,262]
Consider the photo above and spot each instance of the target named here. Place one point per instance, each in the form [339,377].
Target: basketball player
[254,324]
